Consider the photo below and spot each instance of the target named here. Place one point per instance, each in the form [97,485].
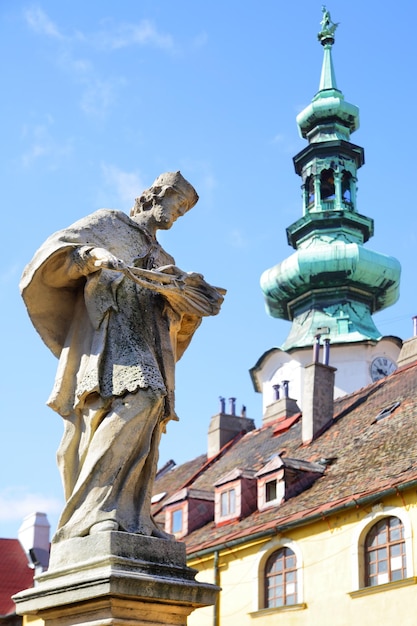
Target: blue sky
[100,97]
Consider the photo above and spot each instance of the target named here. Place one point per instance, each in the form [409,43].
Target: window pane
[223,504]
[395,533]
[396,575]
[176,521]
[270,490]
[291,599]
[290,562]
[396,563]
[381,554]
[382,537]
[279,565]
[395,550]
[232,501]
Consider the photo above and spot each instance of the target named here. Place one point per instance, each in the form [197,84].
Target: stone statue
[111,305]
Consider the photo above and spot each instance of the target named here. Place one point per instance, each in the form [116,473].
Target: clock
[382,366]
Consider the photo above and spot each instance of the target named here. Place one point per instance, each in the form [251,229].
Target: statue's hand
[100,258]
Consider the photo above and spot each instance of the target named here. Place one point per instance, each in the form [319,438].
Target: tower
[332,284]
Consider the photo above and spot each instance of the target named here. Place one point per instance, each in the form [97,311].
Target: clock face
[381,366]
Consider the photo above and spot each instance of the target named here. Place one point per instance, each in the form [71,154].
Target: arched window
[280,579]
[346,190]
[364,563]
[327,188]
[310,190]
[385,552]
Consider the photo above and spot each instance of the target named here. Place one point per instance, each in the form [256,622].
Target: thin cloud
[79,67]
[40,144]
[144,33]
[16,503]
[99,95]
[41,24]
[209,182]
[237,239]
[278,138]
[285,145]
[125,186]
[200,40]
[300,107]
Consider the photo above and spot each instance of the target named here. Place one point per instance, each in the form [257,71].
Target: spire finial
[326,38]
[328,28]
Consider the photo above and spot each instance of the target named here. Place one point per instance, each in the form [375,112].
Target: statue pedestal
[116,578]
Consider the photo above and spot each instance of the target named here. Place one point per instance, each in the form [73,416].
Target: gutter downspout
[216,608]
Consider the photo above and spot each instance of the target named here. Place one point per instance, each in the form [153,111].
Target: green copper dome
[322,282]
[331,281]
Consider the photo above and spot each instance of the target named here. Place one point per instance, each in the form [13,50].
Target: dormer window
[176,519]
[271,489]
[283,478]
[229,504]
[188,510]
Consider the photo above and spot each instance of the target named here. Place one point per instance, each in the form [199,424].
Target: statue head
[170,186]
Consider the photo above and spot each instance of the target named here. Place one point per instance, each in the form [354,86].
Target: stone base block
[116,578]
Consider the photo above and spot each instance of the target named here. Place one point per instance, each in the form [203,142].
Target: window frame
[270,487]
[170,511]
[285,571]
[232,485]
[359,537]
[279,477]
[258,578]
[386,546]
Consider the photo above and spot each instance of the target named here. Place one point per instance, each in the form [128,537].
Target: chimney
[223,427]
[33,535]
[318,399]
[408,352]
[281,408]
[318,395]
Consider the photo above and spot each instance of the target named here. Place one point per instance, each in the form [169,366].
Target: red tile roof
[15,573]
[362,458]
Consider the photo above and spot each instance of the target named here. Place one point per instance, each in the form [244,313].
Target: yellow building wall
[32,620]
[329,550]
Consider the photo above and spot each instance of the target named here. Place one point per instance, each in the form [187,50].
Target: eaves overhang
[337,220]
[328,149]
[302,518]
